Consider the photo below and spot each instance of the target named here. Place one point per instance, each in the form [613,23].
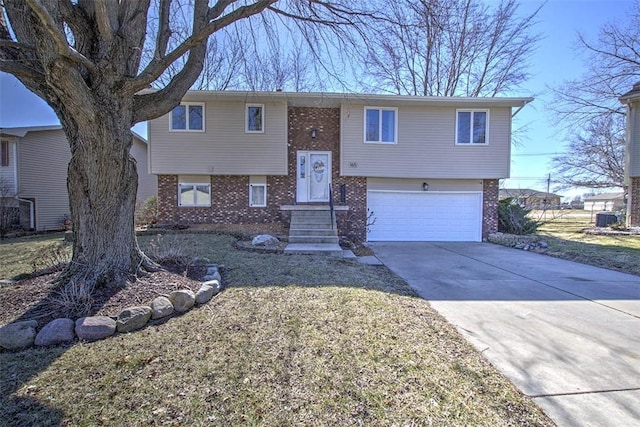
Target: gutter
[521,107]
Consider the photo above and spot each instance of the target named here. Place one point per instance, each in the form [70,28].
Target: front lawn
[293,340]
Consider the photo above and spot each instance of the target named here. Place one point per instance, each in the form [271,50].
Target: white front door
[313,176]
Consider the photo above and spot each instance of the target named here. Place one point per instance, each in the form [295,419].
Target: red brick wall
[633,217]
[230,194]
[490,191]
[351,223]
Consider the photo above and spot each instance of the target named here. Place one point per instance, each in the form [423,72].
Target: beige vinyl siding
[413,184]
[44,157]
[633,140]
[224,148]
[147,183]
[425,145]
[8,173]
[42,169]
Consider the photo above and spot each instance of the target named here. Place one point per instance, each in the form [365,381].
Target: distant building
[605,202]
[532,199]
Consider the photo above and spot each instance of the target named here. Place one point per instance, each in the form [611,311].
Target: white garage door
[425,216]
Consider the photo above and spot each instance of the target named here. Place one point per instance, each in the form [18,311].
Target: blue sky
[555,60]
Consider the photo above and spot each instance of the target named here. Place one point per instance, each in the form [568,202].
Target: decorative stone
[133,318]
[182,300]
[215,284]
[95,328]
[207,291]
[265,240]
[212,273]
[18,335]
[161,307]
[57,331]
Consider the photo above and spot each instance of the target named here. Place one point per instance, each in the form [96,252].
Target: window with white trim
[257,191]
[380,125]
[254,118]
[188,116]
[472,127]
[194,194]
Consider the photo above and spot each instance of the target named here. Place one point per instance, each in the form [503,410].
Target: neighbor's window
[255,118]
[380,125]
[188,117]
[194,194]
[472,127]
[5,153]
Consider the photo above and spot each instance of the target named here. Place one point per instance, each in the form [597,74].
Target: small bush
[51,258]
[514,219]
[74,300]
[165,252]
[147,212]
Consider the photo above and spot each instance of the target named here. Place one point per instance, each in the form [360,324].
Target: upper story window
[4,148]
[188,116]
[380,125]
[254,118]
[472,127]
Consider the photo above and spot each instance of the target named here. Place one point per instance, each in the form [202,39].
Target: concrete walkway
[566,334]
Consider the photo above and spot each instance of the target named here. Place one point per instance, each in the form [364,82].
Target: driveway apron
[566,334]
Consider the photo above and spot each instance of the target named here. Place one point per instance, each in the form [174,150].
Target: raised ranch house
[34,173]
[632,155]
[397,168]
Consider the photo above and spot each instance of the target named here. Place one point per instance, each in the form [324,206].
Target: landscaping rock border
[527,242]
[24,334]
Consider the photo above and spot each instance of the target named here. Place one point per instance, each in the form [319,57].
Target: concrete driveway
[566,334]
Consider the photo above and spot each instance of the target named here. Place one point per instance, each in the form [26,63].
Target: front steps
[311,231]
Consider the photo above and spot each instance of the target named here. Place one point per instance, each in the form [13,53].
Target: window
[472,127]
[255,118]
[5,153]
[188,117]
[380,125]
[194,194]
[258,191]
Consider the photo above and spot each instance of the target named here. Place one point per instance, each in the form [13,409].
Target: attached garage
[425,216]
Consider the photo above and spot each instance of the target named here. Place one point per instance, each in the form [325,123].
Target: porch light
[425,186]
[314,133]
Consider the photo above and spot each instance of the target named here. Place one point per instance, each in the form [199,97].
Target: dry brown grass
[563,231]
[294,340]
[271,356]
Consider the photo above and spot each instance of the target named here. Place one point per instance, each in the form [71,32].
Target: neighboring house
[632,155]
[605,202]
[34,168]
[402,168]
[531,199]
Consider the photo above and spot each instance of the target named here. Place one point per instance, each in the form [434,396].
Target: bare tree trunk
[102,183]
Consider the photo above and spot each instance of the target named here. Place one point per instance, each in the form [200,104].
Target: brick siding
[230,194]
[490,190]
[633,217]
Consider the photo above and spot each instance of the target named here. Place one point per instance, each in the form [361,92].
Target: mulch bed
[35,298]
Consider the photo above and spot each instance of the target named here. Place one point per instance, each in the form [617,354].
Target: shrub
[167,252]
[514,219]
[147,212]
[74,300]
